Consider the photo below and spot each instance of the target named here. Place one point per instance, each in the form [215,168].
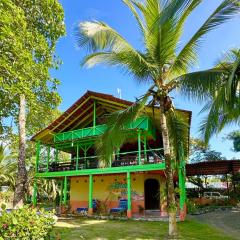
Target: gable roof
[80,114]
[80,110]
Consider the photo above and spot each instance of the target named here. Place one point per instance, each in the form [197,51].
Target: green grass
[116,230]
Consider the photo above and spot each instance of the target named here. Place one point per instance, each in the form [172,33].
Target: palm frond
[202,84]
[116,133]
[233,82]
[178,128]
[130,62]
[223,106]
[130,5]
[219,115]
[98,36]
[188,55]
[163,36]
[111,48]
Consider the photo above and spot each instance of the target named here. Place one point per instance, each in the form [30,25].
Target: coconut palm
[162,61]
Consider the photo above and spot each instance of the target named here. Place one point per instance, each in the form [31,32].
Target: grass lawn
[80,228]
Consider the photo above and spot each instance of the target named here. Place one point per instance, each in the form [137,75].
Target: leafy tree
[202,152]
[162,61]
[28,35]
[8,169]
[235,137]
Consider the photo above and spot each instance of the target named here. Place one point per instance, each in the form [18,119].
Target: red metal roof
[80,110]
[213,168]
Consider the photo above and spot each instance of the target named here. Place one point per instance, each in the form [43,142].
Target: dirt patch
[227,220]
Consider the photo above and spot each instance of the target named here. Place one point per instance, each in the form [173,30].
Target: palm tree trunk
[172,230]
[21,182]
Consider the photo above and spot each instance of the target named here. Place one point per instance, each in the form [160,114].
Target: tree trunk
[172,229]
[21,181]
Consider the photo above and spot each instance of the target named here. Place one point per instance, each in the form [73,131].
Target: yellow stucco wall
[110,188]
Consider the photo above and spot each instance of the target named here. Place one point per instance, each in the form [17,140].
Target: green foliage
[6,197]
[25,223]
[219,87]
[192,207]
[202,152]
[235,137]
[8,166]
[28,35]
[116,134]
[179,133]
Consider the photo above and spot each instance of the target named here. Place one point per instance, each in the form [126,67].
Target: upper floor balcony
[75,151]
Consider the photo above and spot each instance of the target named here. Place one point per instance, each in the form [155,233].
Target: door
[151,194]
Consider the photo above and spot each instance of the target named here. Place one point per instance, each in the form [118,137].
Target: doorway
[151,194]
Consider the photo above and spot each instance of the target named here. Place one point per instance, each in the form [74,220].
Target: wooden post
[90,200]
[94,116]
[233,182]
[181,183]
[48,157]
[145,147]
[227,185]
[56,155]
[110,161]
[85,158]
[65,191]
[129,209]
[61,187]
[139,148]
[77,157]
[34,195]
[38,149]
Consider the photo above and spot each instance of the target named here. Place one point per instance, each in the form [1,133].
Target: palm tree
[224,96]
[161,61]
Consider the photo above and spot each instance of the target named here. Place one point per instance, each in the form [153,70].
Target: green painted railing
[150,156]
[141,123]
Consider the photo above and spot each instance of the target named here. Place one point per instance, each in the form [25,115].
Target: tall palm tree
[162,61]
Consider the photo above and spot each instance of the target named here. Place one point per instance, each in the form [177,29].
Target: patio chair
[85,209]
[122,207]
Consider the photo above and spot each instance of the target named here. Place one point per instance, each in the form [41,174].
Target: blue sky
[76,80]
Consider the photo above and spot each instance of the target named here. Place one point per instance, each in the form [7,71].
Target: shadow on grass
[93,229]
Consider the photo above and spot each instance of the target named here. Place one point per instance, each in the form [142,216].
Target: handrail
[121,153]
[88,161]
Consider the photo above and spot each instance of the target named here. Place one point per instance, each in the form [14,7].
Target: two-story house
[136,172]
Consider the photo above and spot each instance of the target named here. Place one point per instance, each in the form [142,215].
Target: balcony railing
[132,158]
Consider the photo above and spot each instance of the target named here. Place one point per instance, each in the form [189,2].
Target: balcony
[81,158]
[124,159]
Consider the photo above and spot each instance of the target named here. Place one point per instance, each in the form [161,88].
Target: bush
[192,207]
[6,197]
[25,223]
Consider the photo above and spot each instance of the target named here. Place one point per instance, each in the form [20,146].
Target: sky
[76,80]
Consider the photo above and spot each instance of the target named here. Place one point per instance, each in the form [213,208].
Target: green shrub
[192,207]
[25,224]
[6,197]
